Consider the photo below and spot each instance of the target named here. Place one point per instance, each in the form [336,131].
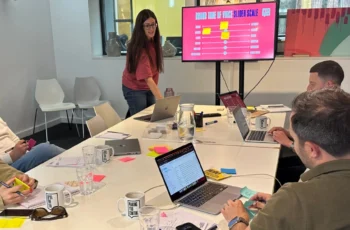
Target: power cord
[259,174]
[268,70]
[158,186]
[154,188]
[222,75]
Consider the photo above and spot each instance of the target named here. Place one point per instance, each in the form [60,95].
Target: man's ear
[313,150]
[329,84]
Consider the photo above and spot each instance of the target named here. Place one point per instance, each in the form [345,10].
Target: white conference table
[99,210]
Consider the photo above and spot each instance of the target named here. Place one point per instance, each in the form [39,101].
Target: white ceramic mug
[55,196]
[104,154]
[262,122]
[133,201]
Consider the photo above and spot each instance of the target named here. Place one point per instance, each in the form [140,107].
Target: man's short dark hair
[329,71]
[323,117]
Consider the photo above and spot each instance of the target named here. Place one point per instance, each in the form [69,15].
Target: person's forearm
[154,88]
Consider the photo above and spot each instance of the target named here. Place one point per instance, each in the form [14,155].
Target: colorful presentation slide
[229,32]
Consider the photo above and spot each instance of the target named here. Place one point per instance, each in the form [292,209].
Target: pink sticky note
[161,149]
[98,178]
[163,214]
[126,159]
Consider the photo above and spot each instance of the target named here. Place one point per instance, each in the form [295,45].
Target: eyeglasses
[149,26]
[57,212]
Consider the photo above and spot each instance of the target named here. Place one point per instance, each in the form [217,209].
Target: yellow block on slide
[224,25]
[225,35]
[206,31]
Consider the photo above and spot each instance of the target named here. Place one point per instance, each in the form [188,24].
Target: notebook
[71,162]
[37,198]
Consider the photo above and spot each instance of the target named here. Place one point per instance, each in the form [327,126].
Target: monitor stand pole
[241,80]
[217,82]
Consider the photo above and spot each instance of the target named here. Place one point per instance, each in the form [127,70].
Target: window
[304,4]
[116,16]
[123,17]
[119,16]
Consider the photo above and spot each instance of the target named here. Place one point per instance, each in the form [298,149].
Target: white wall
[74,58]
[26,53]
[195,81]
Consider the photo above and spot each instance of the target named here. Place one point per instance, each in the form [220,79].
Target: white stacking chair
[96,125]
[49,95]
[87,95]
[108,114]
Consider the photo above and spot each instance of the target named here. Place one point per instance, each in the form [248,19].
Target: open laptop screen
[181,171]
[232,99]
[241,122]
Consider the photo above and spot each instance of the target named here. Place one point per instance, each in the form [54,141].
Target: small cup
[133,202]
[103,154]
[55,196]
[262,122]
[199,120]
[149,217]
[85,177]
[89,154]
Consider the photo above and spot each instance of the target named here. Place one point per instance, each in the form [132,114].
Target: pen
[211,122]
[201,114]
[8,186]
[213,227]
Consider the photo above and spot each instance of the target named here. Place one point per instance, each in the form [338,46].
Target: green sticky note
[248,203]
[247,193]
[12,222]
[251,213]
[153,154]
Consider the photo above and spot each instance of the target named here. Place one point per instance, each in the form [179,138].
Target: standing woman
[144,62]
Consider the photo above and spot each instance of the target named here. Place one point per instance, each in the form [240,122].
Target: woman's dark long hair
[140,42]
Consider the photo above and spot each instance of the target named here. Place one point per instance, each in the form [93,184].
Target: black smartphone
[187,226]
[16,212]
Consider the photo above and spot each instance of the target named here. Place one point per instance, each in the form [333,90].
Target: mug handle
[69,195]
[269,121]
[112,154]
[118,202]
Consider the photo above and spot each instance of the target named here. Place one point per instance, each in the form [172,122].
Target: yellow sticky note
[24,186]
[251,108]
[200,130]
[12,222]
[153,154]
[206,31]
[224,25]
[225,35]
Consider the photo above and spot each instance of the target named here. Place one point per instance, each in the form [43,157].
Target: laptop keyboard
[256,136]
[203,194]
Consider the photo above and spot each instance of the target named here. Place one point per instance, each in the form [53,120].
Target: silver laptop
[163,109]
[125,146]
[247,134]
[187,184]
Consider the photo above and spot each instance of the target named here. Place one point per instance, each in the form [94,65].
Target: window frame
[123,20]
[115,21]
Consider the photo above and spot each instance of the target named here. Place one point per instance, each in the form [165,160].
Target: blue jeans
[138,100]
[36,156]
